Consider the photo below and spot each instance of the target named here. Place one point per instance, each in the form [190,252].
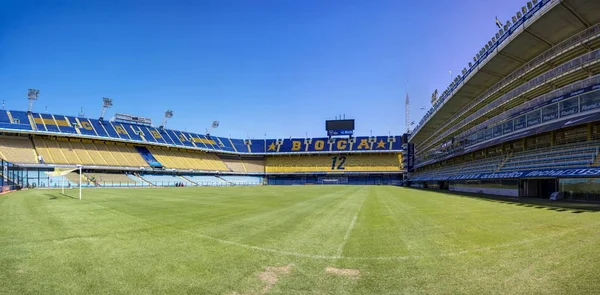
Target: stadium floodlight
[106,103]
[519,15]
[524,9]
[215,124]
[529,5]
[168,115]
[32,95]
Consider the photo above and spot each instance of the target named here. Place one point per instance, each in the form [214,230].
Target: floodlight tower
[106,103]
[32,95]
[215,124]
[168,115]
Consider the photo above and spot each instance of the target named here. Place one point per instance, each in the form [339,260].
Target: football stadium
[496,190]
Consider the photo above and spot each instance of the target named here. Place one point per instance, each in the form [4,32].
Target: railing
[528,107]
[34,183]
[536,82]
[481,58]
[531,104]
[537,61]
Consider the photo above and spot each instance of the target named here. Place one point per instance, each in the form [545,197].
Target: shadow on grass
[536,203]
[54,196]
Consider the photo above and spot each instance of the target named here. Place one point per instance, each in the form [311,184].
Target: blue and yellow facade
[79,127]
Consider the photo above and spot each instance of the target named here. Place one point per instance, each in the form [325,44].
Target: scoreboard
[339,127]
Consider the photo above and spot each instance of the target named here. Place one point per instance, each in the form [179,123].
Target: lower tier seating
[165,180]
[243,180]
[574,155]
[206,180]
[111,179]
[563,156]
[329,163]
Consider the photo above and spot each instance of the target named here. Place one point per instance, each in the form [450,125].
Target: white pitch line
[349,230]
[339,256]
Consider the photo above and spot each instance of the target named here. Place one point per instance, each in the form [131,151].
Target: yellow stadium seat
[335,163]
[188,160]
[17,150]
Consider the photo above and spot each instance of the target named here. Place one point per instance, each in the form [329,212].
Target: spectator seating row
[339,163]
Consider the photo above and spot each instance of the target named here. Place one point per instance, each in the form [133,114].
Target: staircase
[148,157]
[31,122]
[227,181]
[503,162]
[597,160]
[188,180]
[35,152]
[142,179]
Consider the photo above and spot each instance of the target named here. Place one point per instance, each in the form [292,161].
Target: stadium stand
[205,180]
[522,119]
[242,180]
[166,180]
[63,151]
[188,160]
[254,165]
[328,163]
[17,150]
[111,179]
[233,163]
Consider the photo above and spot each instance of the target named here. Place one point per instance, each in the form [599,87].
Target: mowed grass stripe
[403,241]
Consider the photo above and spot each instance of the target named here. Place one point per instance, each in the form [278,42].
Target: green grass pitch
[292,240]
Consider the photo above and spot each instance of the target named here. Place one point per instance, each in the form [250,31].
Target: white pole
[63,184]
[80,173]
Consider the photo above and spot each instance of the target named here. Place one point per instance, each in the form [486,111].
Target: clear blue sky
[278,67]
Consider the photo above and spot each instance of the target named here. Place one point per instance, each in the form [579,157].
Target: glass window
[533,118]
[488,133]
[590,101]
[587,189]
[520,123]
[498,130]
[507,127]
[569,106]
[550,112]
[480,136]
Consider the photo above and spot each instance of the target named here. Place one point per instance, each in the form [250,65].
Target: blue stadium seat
[4,117]
[85,126]
[99,128]
[239,145]
[130,131]
[20,120]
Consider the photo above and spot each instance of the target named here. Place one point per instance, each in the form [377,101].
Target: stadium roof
[557,21]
